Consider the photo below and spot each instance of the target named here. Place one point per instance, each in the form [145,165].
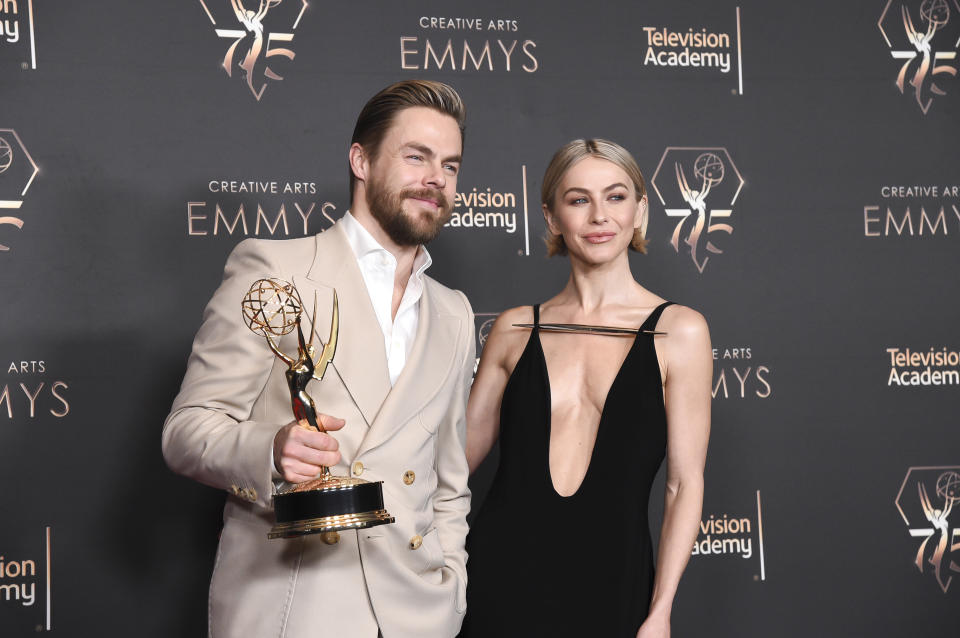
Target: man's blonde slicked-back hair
[379,112]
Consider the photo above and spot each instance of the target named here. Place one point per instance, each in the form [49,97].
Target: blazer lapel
[360,359]
[430,363]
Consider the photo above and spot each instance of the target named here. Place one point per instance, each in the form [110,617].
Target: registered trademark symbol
[520,252]
[25,66]
[38,628]
[733,91]
[756,577]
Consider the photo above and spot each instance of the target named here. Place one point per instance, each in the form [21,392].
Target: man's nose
[435,176]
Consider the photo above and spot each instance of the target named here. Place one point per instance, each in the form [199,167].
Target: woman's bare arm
[496,362]
[688,363]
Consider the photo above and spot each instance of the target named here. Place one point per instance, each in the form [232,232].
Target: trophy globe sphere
[935,12]
[709,168]
[948,487]
[6,155]
[272,307]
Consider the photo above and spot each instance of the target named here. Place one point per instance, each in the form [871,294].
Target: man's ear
[359,162]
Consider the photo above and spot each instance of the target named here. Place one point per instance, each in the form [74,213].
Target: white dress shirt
[378,268]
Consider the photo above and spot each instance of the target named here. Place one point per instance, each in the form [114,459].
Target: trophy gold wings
[272,308]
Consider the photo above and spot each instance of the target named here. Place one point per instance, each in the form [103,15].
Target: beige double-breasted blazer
[233,400]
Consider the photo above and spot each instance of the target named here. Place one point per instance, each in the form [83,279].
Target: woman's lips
[599,238]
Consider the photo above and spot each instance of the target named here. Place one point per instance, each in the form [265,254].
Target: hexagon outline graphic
[36,170]
[715,149]
[906,478]
[883,15]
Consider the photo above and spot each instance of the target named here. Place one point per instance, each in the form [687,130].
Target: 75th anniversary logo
[253,53]
[684,180]
[926,501]
[924,37]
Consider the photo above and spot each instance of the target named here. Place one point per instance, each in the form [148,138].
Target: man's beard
[387,209]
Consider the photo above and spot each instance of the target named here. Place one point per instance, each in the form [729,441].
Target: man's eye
[415,157]
[453,169]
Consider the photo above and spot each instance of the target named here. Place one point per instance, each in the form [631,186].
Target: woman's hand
[654,627]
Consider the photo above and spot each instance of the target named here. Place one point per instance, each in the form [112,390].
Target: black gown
[541,564]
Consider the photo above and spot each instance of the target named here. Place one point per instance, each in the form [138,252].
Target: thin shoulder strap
[536,316]
[651,322]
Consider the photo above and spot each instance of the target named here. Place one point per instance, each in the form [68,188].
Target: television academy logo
[498,209]
[685,177]
[936,366]
[17,171]
[16,30]
[22,574]
[925,36]
[733,535]
[252,51]
[926,501]
[695,48]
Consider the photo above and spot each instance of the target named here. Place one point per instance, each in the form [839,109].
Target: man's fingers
[327,422]
[330,422]
[315,457]
[300,452]
[291,477]
[317,440]
[297,470]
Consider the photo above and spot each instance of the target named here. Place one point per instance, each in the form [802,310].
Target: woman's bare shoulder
[504,336]
[683,321]
[687,333]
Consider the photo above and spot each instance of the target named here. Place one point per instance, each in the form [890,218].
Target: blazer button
[330,538]
[252,495]
[409,477]
[234,490]
[357,468]
[416,541]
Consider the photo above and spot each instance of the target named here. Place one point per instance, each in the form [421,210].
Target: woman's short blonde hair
[571,153]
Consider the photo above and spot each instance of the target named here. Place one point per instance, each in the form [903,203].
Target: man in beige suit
[393,398]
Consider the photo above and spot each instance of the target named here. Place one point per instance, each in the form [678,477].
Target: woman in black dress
[561,546]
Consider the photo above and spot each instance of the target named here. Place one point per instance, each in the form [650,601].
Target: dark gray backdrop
[129,115]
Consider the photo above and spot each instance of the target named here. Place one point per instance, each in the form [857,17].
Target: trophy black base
[329,504]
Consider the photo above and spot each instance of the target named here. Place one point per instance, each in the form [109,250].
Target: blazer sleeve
[451,500]
[209,435]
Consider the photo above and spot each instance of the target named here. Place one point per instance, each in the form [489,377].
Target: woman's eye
[578,200]
[618,197]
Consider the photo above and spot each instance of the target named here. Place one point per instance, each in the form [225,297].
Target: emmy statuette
[272,308]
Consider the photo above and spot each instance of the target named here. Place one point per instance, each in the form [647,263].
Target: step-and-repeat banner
[816,226]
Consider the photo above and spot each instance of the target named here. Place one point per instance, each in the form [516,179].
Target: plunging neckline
[603,410]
